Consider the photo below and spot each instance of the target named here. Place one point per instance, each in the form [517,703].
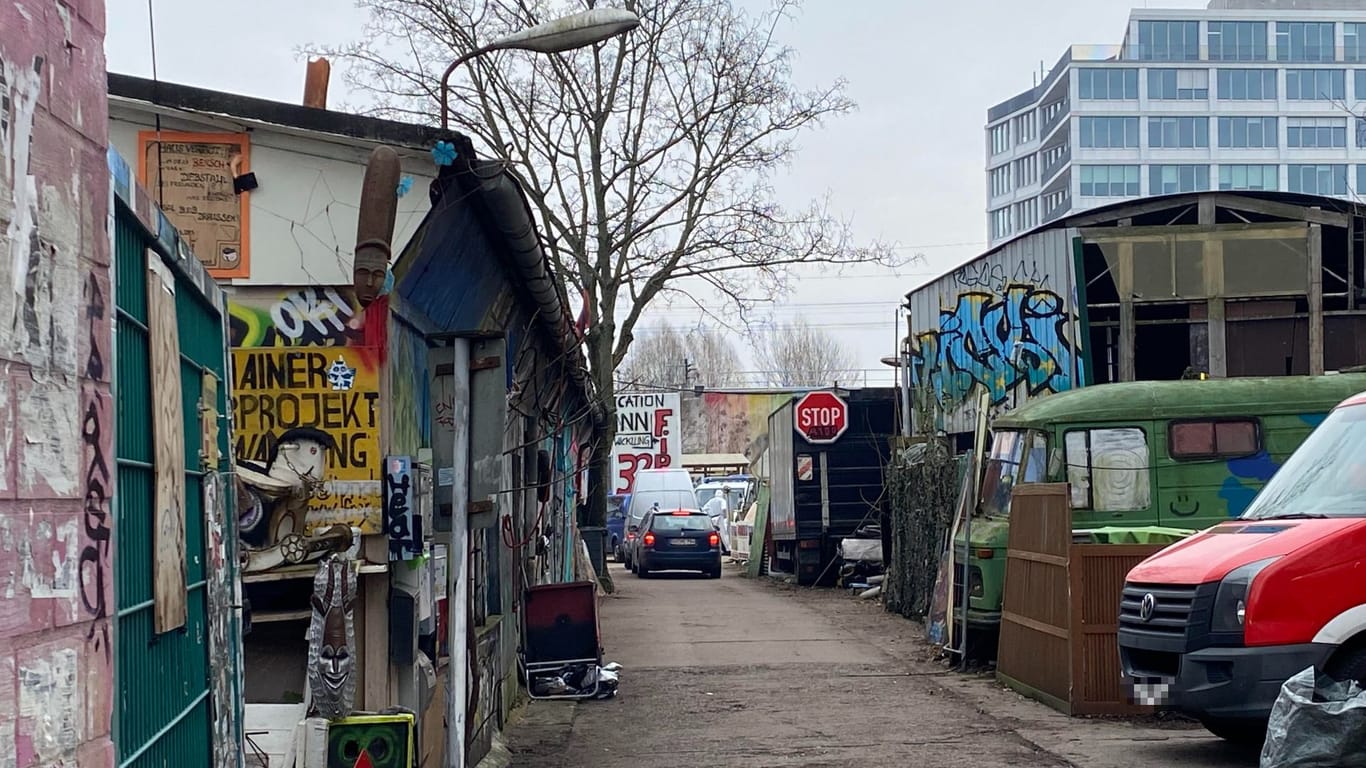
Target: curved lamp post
[565,34]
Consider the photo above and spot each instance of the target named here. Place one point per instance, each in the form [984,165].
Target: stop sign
[821,417]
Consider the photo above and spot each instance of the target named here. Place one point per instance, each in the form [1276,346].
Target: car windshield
[1325,477]
[1002,469]
[695,521]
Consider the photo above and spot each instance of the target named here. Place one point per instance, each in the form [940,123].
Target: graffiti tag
[94,558]
[307,317]
[997,277]
[998,342]
[403,528]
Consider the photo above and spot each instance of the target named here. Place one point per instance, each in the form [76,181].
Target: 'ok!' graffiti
[999,342]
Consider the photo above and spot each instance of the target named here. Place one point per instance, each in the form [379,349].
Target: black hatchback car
[679,540]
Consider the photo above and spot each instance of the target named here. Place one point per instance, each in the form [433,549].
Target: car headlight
[1230,602]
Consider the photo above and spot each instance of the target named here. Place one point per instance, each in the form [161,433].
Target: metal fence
[165,707]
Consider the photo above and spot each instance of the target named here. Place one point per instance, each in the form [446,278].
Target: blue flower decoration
[404,184]
[443,153]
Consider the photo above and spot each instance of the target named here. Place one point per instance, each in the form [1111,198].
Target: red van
[1213,625]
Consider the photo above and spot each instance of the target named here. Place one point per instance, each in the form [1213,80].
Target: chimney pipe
[315,83]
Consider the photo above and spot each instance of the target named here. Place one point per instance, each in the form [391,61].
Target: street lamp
[565,34]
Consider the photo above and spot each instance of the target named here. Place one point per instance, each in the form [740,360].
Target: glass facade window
[1248,132]
[1000,138]
[1247,84]
[1027,214]
[1306,41]
[1169,40]
[1315,84]
[1361,85]
[1354,41]
[1178,84]
[1178,132]
[1170,179]
[1000,181]
[1109,181]
[1325,180]
[1000,223]
[1107,84]
[1237,41]
[1316,132]
[1361,179]
[1264,178]
[1025,127]
[1109,132]
[1027,171]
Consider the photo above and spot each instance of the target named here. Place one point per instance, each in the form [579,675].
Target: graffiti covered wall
[728,422]
[56,354]
[1005,323]
[308,316]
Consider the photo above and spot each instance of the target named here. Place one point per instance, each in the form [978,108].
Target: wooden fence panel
[1097,574]
[1034,651]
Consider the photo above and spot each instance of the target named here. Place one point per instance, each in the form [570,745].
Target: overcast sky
[907,167]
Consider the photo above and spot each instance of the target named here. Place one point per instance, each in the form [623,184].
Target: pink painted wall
[56,414]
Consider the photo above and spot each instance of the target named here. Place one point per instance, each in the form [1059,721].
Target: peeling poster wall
[56,364]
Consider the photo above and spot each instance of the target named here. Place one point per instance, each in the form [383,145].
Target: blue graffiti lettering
[998,342]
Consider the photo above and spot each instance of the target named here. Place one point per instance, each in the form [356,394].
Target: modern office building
[1242,95]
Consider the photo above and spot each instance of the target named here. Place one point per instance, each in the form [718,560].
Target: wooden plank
[1034,624]
[1124,285]
[208,422]
[1217,333]
[1316,331]
[168,434]
[485,363]
[375,643]
[1036,557]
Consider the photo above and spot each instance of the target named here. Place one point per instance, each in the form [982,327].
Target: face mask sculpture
[331,639]
[375,225]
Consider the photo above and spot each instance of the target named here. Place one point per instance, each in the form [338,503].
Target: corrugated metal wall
[1007,321]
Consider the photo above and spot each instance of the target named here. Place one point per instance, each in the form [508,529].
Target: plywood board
[168,434]
[191,176]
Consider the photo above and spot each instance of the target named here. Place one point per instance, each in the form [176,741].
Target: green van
[1178,456]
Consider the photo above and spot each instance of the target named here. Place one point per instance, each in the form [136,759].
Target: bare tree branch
[801,355]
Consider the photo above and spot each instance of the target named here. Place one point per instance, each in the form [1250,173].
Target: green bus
[1178,456]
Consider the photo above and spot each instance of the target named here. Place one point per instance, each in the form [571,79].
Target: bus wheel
[1237,731]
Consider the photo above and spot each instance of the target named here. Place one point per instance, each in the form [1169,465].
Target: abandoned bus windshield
[1002,467]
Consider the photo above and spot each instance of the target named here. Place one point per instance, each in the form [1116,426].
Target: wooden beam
[1129,211]
[1316,330]
[1283,210]
[1216,337]
[1352,263]
[1124,284]
[1195,232]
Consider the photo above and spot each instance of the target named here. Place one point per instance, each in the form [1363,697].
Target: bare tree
[801,355]
[649,159]
[664,356]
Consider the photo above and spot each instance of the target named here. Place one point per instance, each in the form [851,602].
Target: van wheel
[1237,731]
[1348,666]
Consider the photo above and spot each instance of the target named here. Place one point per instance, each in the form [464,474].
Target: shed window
[1214,439]
[1107,469]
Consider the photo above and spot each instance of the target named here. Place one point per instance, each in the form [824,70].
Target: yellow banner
[335,390]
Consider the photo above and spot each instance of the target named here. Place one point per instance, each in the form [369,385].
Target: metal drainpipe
[510,214]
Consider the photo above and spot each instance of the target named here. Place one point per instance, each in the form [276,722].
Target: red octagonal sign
[821,417]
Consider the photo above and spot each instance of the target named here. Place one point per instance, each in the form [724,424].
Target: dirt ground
[761,674]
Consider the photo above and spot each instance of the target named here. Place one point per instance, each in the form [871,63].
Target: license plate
[684,542]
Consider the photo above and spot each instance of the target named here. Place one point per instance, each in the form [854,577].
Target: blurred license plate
[684,542]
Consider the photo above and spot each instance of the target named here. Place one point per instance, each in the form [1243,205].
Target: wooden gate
[1060,614]
[177,638]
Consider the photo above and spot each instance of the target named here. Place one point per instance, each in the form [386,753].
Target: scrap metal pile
[585,681]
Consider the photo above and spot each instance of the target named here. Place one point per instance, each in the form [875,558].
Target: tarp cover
[1316,723]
